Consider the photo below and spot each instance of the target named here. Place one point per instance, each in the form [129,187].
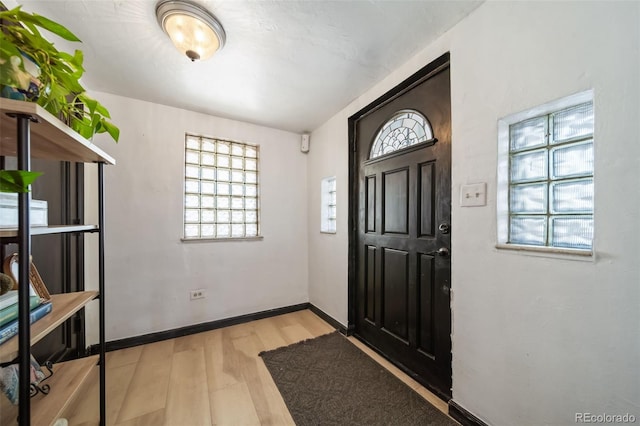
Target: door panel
[371,204]
[426,309]
[395,292]
[395,193]
[370,289]
[403,211]
[426,191]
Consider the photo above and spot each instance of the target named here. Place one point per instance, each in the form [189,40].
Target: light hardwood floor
[210,378]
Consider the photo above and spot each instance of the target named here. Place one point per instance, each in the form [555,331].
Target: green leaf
[7,48]
[90,103]
[69,82]
[100,109]
[49,25]
[72,63]
[17,180]
[9,15]
[78,59]
[31,27]
[95,122]
[82,127]
[6,186]
[113,131]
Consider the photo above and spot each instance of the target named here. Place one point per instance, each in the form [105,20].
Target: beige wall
[535,339]
[149,271]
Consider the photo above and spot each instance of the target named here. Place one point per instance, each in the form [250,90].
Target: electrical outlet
[197,294]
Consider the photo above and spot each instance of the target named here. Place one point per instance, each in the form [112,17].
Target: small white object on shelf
[9,211]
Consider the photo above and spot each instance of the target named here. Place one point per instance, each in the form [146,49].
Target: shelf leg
[24,256]
[103,393]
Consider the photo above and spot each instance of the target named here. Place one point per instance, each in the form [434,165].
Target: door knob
[442,251]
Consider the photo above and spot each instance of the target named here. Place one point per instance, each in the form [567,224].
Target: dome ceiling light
[193,30]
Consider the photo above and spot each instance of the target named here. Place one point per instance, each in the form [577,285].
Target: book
[11,329]
[10,313]
[8,299]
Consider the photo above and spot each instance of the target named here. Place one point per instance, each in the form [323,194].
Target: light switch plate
[473,195]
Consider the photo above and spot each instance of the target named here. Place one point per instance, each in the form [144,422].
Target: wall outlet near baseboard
[197,294]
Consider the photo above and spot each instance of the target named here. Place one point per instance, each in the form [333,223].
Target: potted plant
[34,70]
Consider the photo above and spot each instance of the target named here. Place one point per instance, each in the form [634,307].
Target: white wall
[149,271]
[328,156]
[535,340]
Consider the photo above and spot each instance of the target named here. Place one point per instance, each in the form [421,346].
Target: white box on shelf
[9,211]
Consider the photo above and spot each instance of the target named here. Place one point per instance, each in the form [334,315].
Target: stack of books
[9,313]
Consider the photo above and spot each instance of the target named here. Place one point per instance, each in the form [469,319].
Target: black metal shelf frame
[24,252]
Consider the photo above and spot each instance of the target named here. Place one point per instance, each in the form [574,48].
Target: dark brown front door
[402,270]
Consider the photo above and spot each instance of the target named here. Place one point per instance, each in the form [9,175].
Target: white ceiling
[290,65]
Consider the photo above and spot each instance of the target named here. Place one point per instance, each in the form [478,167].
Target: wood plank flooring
[210,378]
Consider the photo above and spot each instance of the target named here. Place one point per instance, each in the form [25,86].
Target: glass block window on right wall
[546,186]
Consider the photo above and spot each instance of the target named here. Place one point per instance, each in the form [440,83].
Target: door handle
[442,251]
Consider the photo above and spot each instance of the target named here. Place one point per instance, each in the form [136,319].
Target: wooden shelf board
[52,229]
[64,305]
[67,380]
[50,137]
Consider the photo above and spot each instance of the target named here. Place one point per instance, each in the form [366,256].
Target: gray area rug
[329,381]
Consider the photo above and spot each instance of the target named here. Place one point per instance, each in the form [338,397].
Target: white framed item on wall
[37,286]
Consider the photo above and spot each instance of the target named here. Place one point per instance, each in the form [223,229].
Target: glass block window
[551,179]
[328,205]
[220,189]
[405,128]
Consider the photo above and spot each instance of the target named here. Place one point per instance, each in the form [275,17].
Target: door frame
[415,79]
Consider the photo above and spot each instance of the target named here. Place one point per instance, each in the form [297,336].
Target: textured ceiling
[290,65]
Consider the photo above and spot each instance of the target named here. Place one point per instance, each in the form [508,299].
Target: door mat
[329,381]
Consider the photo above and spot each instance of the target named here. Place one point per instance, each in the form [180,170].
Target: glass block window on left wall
[221,192]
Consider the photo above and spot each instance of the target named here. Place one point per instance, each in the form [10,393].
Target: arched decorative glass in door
[405,128]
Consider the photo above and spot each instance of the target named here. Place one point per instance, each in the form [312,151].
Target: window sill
[553,252]
[328,232]
[219,240]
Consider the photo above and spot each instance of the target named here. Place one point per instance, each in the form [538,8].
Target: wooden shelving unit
[26,131]
[53,229]
[67,381]
[50,138]
[64,305]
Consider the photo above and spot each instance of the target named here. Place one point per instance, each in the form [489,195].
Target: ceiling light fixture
[193,30]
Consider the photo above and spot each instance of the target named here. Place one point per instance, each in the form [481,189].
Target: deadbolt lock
[444,228]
